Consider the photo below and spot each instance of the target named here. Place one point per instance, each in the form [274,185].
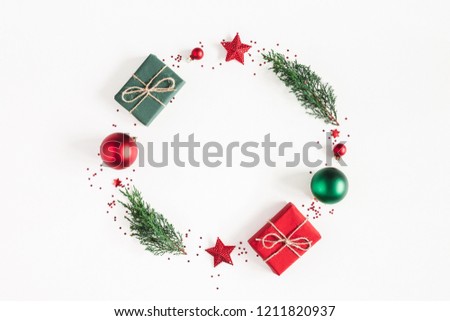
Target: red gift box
[286,237]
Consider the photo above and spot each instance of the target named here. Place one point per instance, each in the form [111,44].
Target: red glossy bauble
[339,150]
[197,54]
[118,151]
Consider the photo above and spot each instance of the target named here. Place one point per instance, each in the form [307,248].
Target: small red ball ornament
[118,151]
[196,54]
[339,150]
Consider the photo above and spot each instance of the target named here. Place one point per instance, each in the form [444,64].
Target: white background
[60,66]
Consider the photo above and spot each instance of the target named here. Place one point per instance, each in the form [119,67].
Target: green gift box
[149,90]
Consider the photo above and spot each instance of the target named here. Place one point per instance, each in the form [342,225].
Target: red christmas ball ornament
[196,54]
[339,150]
[118,151]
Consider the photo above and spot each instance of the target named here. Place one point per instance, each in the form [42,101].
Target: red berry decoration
[339,150]
[197,54]
[118,151]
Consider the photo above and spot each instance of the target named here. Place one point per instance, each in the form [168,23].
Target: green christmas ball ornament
[329,185]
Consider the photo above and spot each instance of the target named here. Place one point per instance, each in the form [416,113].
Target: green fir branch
[151,228]
[317,97]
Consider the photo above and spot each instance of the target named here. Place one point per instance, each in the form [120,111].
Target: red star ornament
[235,49]
[221,252]
[117,182]
[335,133]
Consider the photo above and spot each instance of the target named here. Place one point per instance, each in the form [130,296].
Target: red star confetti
[235,49]
[117,182]
[335,133]
[221,252]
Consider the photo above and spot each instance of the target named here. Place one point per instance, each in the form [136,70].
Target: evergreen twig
[317,97]
[151,228]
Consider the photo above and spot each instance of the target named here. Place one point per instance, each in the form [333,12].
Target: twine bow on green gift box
[129,94]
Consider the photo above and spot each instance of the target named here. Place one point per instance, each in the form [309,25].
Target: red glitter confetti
[117,182]
[335,133]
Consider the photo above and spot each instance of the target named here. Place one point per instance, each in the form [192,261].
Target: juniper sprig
[150,227]
[317,97]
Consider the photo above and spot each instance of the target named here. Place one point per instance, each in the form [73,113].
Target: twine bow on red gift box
[300,243]
[147,90]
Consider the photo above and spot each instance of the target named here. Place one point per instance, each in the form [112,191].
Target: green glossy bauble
[329,185]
